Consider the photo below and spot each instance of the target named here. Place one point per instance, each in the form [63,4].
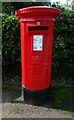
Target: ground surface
[13,106]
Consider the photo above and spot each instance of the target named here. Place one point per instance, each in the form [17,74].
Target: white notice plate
[37,42]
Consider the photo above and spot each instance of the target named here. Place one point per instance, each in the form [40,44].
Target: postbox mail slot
[44,28]
[38,30]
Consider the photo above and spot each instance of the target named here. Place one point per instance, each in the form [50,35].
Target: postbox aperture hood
[37,12]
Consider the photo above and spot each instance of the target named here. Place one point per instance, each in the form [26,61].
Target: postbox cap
[37,11]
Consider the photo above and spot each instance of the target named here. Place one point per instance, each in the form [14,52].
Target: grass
[62,98]
[12,87]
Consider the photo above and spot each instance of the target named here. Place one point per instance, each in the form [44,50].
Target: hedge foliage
[10,39]
[62,46]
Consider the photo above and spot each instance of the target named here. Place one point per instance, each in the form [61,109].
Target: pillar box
[37,27]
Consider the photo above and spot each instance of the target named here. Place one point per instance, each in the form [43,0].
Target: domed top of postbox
[37,12]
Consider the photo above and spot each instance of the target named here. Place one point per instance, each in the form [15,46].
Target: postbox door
[37,62]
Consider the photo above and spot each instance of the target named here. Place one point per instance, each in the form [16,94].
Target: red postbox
[37,26]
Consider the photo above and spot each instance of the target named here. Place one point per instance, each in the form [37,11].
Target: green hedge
[62,46]
[10,40]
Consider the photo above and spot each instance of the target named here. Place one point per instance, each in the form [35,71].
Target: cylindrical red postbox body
[37,25]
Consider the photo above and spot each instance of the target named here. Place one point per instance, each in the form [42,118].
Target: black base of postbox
[35,97]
